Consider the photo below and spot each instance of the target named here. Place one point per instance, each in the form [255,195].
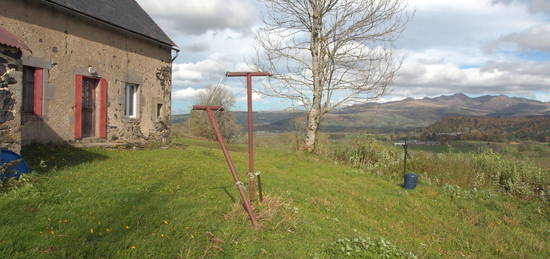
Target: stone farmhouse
[82,71]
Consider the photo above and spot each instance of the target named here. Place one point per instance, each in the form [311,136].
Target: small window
[28,89]
[33,90]
[159,110]
[131,97]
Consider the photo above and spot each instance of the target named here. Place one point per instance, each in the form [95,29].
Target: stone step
[100,145]
[91,140]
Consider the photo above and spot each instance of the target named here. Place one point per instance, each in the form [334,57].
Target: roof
[125,14]
[8,39]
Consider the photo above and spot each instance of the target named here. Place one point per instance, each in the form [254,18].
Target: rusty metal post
[251,171]
[238,183]
[250,138]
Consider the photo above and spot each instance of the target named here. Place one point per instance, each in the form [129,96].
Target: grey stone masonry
[10,92]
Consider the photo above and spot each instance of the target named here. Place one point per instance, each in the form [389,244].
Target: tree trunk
[313,121]
[315,113]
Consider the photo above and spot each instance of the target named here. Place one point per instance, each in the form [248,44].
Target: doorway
[90,108]
[89,86]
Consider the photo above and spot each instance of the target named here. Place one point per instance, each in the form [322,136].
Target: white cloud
[534,5]
[534,38]
[438,5]
[463,24]
[444,49]
[524,78]
[194,17]
[443,46]
[187,93]
[545,97]
[255,97]
[205,72]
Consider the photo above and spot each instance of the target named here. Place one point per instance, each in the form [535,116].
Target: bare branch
[329,53]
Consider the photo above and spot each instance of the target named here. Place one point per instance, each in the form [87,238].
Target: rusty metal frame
[214,123]
[252,174]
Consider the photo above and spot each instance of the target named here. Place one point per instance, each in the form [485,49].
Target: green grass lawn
[180,202]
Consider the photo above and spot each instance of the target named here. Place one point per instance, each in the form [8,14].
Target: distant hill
[274,121]
[403,115]
[179,118]
[490,128]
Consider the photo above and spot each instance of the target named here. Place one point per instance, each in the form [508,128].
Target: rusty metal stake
[247,206]
[251,171]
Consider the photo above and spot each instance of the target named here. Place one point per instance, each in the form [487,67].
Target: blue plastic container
[14,171]
[410,181]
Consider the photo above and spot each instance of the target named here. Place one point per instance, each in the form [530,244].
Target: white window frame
[131,96]
[158,111]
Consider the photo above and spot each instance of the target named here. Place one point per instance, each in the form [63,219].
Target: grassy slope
[170,198]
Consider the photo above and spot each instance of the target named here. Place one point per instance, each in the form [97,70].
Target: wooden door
[88,107]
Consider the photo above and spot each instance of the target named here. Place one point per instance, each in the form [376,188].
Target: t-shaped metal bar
[213,122]
[251,171]
[245,74]
[206,107]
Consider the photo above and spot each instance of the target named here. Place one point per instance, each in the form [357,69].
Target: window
[131,97]
[28,89]
[33,87]
[159,110]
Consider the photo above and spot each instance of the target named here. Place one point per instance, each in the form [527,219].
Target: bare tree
[329,53]
[199,124]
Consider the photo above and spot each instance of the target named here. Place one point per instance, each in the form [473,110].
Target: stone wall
[10,119]
[66,45]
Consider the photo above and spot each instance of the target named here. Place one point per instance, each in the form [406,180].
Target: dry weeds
[273,212]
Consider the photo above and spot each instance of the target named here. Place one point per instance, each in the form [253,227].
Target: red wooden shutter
[38,91]
[78,107]
[102,110]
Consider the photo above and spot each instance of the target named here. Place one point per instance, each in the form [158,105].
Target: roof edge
[170,44]
[155,22]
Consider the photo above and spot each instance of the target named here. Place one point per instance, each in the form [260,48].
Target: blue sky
[476,47]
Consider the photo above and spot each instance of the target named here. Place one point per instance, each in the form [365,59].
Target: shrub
[483,169]
[366,152]
[520,178]
[16,185]
[199,123]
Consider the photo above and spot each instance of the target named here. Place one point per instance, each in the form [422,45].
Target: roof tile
[126,14]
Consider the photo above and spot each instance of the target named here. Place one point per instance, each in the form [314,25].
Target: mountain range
[399,115]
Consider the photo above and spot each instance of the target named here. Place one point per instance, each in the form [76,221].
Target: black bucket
[410,181]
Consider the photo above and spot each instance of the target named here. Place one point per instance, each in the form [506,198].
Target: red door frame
[102,108]
[78,107]
[38,91]
[101,102]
